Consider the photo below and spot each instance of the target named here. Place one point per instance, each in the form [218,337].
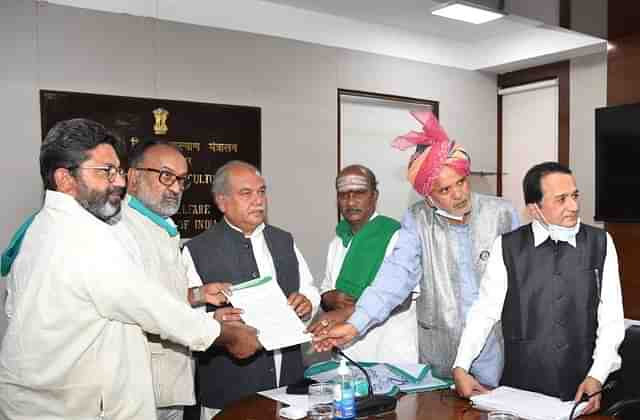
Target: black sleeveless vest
[549,318]
[224,254]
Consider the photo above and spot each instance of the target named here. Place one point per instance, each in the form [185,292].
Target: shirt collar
[540,234]
[255,234]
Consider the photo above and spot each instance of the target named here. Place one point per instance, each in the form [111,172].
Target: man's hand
[227,314]
[212,293]
[240,340]
[590,386]
[335,299]
[336,336]
[467,385]
[300,304]
[329,319]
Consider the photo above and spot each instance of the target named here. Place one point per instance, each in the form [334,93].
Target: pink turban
[425,167]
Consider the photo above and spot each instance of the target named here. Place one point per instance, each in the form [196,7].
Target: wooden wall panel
[623,70]
[623,17]
[623,87]
[627,239]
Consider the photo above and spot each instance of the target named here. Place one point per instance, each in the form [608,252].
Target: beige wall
[54,47]
[588,91]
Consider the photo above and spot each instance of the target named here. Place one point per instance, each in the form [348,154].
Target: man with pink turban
[443,246]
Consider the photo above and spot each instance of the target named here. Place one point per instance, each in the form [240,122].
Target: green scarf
[11,253]
[139,206]
[365,255]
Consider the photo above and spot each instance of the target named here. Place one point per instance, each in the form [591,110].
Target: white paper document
[266,309]
[525,404]
[280,394]
[630,323]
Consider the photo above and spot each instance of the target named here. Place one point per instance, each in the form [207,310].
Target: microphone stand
[370,405]
[587,397]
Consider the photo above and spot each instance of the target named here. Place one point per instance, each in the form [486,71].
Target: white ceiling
[398,28]
[410,15]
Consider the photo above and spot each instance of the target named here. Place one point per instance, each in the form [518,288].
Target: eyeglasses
[167,178]
[110,171]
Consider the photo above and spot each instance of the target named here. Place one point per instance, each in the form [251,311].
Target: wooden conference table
[437,405]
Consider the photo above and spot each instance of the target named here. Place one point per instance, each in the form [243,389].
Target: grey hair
[220,184]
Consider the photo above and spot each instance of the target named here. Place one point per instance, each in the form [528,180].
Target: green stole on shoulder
[139,206]
[368,247]
[11,253]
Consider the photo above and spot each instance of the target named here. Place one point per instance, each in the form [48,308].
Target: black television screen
[618,163]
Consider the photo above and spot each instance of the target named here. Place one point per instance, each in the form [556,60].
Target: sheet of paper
[385,378]
[427,383]
[630,323]
[525,404]
[265,308]
[415,370]
[280,394]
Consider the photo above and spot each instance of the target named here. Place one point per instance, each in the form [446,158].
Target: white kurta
[78,301]
[395,340]
[171,363]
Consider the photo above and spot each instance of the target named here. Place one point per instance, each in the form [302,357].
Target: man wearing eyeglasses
[157,178]
[79,300]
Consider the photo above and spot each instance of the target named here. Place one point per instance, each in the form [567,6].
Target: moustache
[460,204]
[171,196]
[117,191]
[352,210]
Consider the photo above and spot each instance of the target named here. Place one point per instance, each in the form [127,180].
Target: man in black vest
[242,247]
[554,284]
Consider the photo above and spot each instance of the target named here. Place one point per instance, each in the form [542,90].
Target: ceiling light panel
[467,13]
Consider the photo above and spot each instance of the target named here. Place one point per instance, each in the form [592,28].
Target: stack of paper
[525,404]
[386,378]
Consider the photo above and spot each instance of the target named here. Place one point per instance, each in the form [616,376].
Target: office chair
[623,402]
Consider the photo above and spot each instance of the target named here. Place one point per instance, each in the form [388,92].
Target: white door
[368,126]
[529,135]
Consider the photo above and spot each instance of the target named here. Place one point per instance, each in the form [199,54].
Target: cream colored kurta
[171,363]
[78,301]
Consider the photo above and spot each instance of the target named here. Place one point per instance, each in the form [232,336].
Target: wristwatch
[198,296]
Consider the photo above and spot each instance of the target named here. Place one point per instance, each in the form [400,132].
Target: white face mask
[557,232]
[444,213]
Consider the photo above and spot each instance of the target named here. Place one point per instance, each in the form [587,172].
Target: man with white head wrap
[363,239]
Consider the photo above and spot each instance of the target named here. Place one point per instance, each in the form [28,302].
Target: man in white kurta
[78,300]
[396,339]
[78,303]
[157,178]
